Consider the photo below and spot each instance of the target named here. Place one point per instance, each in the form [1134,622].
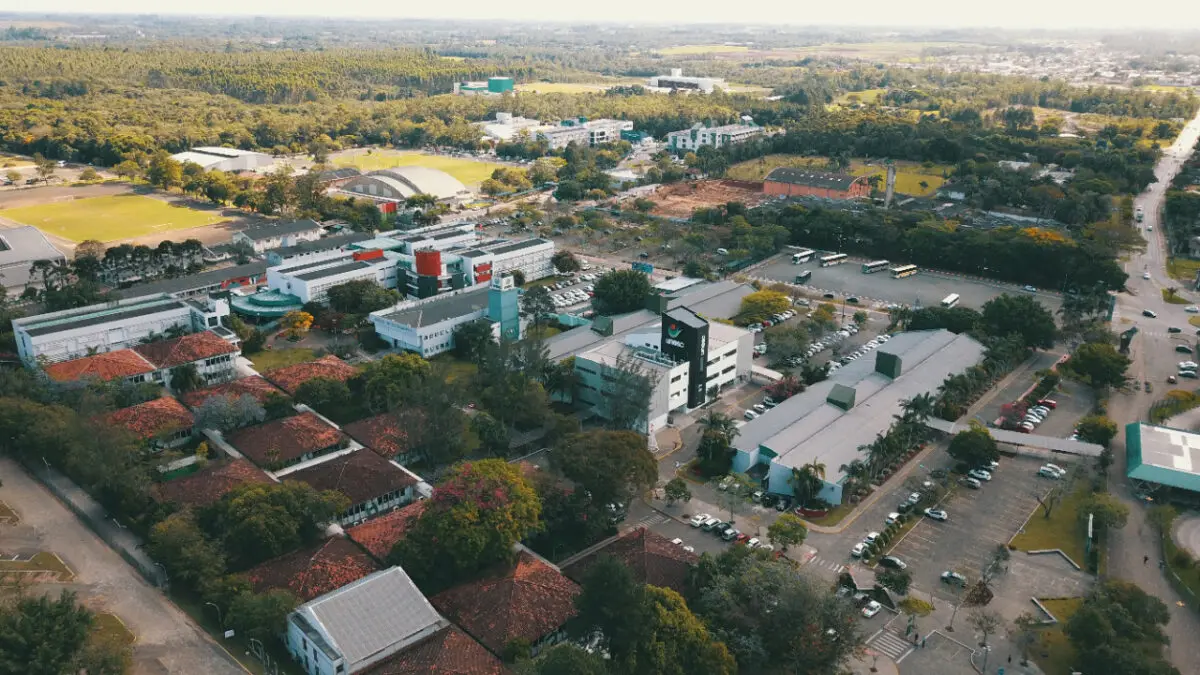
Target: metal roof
[19,247]
[1163,455]
[1051,443]
[194,281]
[104,315]
[443,309]
[818,179]
[517,246]
[334,271]
[281,229]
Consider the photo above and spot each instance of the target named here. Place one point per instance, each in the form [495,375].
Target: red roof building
[652,559]
[119,365]
[283,442]
[314,571]
[530,600]
[209,484]
[447,652]
[164,421]
[385,434]
[788,182]
[255,386]
[186,349]
[371,483]
[379,535]
[289,378]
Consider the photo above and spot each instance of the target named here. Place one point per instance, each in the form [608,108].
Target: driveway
[1187,532]
[167,640]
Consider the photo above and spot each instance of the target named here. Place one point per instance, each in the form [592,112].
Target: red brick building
[786,182]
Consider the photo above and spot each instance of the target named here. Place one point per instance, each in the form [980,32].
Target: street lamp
[219,619]
[166,579]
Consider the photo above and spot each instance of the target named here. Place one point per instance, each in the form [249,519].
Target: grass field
[111,627]
[692,50]
[909,175]
[466,170]
[1061,530]
[110,218]
[278,358]
[864,96]
[1182,268]
[1052,652]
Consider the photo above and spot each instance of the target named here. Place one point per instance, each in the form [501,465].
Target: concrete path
[1187,532]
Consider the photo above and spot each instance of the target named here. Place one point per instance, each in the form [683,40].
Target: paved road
[166,637]
[1153,359]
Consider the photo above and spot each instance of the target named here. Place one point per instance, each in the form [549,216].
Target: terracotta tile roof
[255,386]
[209,484]
[285,439]
[315,571]
[447,652]
[379,535]
[652,558]
[289,378]
[185,349]
[361,475]
[528,600]
[384,433]
[153,418]
[108,366]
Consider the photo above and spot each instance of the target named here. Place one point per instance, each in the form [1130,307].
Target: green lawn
[909,175]
[1062,530]
[864,96]
[111,627]
[1173,299]
[1052,652]
[42,562]
[466,170]
[456,369]
[110,218]
[692,50]
[271,359]
[1190,576]
[1183,269]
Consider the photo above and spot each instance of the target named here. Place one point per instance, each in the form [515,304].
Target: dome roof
[424,180]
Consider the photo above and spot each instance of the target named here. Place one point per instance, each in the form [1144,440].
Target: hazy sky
[1057,14]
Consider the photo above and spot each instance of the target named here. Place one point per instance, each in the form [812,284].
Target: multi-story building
[583,131]
[677,80]
[311,281]
[71,333]
[279,235]
[427,326]
[699,136]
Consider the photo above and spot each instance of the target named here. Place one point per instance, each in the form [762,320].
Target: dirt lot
[680,199]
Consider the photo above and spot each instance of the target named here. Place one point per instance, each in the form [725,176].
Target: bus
[803,277]
[802,257]
[950,300]
[833,259]
[873,267]
[904,271]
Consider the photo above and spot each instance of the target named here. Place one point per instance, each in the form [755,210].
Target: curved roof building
[403,182]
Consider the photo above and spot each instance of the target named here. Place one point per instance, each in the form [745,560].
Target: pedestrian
[922,643]
[1145,559]
[1010,658]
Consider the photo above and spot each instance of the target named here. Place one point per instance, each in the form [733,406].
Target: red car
[1049,403]
[767,323]
[742,538]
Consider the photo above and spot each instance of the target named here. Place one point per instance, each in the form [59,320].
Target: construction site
[678,200]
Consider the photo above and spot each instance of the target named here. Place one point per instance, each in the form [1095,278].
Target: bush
[1182,558]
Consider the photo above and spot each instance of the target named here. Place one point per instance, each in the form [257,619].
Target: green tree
[263,520]
[13,176]
[324,394]
[676,490]
[1108,511]
[89,175]
[190,557]
[613,466]
[494,438]
[226,413]
[716,450]
[627,390]
[361,297]
[164,172]
[566,659]
[476,515]
[1119,631]
[43,636]
[565,261]
[860,318]
[760,305]
[472,339]
[975,447]
[393,381]
[1097,429]
[186,378]
[261,616]
[45,167]
[537,305]
[1019,314]
[621,291]
[1098,364]
[896,581]
[787,530]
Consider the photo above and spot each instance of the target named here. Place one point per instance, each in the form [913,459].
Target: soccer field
[909,175]
[466,170]
[110,218]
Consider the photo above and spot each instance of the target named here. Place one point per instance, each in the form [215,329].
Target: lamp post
[219,619]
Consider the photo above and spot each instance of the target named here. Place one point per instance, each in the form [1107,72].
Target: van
[1149,313]
[722,251]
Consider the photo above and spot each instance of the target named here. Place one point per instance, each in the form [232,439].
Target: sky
[1055,14]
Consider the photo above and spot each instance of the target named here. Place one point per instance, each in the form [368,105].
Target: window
[728,370]
[677,378]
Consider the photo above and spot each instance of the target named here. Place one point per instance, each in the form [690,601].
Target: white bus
[833,259]
[873,267]
[950,300]
[904,271]
[802,257]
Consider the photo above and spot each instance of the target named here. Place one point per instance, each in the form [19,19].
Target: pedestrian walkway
[888,643]
[836,567]
[651,520]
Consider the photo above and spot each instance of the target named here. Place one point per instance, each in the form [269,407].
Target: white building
[398,184]
[677,80]
[584,132]
[122,324]
[278,235]
[19,248]
[699,136]
[427,326]
[311,281]
[225,159]
[348,630]
[506,127]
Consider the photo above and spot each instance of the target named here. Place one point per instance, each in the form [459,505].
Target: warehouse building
[1158,457]
[507,127]
[225,159]
[426,327]
[678,81]
[700,136]
[582,131]
[788,182]
[829,421]
[495,86]
[278,235]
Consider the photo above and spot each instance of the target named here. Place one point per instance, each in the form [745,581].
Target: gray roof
[94,316]
[19,247]
[1051,443]
[333,271]
[323,244]
[292,269]
[194,281]
[686,317]
[806,427]
[373,617]
[422,179]
[279,229]
[443,309]
[339,174]
[818,179]
[516,246]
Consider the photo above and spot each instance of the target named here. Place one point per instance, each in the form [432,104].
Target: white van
[722,251]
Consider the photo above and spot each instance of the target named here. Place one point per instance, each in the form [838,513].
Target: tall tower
[891,184]
[504,307]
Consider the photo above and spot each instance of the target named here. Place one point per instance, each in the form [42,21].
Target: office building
[427,326]
[678,81]
[582,131]
[716,137]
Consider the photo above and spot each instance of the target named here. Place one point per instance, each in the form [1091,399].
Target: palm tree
[720,423]
[918,408]
[806,484]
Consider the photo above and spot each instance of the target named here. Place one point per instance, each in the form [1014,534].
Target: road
[1154,358]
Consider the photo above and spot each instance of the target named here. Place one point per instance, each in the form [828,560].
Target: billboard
[685,338]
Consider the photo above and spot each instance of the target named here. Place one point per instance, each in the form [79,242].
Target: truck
[1139,214]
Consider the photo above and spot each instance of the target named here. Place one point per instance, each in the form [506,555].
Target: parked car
[979,474]
[750,415]
[757,496]
[954,578]
[1047,472]
[937,514]
[913,499]
[892,518]
[1049,403]
[1057,468]
[1173,329]
[893,562]
[871,538]
[1190,374]
[871,609]
[699,520]
[972,483]
[679,542]
[1150,313]
[709,524]
[858,550]
[1030,289]
[753,542]
[1184,349]
[725,483]
[730,534]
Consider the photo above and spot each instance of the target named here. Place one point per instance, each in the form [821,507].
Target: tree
[476,515]
[494,438]
[45,167]
[896,581]
[189,556]
[164,172]
[472,339]
[362,296]
[677,490]
[1097,429]
[760,305]
[626,391]
[186,378]
[975,447]
[986,622]
[518,278]
[1118,631]
[1098,364]
[611,607]
[259,521]
[621,291]
[1049,501]
[1108,512]
[787,530]
[13,176]
[612,466]
[860,318]
[261,616]
[225,413]
[395,380]
[1019,314]
[807,482]
[1025,634]
[716,450]
[565,261]
[537,305]
[43,636]
[565,659]
[296,323]
[89,175]
[323,394]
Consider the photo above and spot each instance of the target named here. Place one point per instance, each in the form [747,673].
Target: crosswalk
[888,643]
[835,567]
[651,520]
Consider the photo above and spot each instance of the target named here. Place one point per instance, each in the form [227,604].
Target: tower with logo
[504,307]
[685,338]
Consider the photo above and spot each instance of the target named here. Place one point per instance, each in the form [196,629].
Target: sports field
[466,170]
[110,218]
[689,50]
[909,175]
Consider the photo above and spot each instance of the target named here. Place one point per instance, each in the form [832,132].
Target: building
[427,326]
[336,177]
[289,378]
[225,159]
[829,421]
[212,356]
[311,281]
[652,558]
[20,247]
[494,86]
[387,434]
[248,276]
[208,485]
[255,387]
[1162,456]
[449,651]
[529,601]
[396,185]
[307,251]
[700,136]
[371,483]
[531,257]
[687,359]
[281,443]
[308,573]
[380,535]
[71,333]
[279,235]
[162,422]
[582,131]
[787,182]
[506,127]
[677,80]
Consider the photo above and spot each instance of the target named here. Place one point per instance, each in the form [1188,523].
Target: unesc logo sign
[674,331]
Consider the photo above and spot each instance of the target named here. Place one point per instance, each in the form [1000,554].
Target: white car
[871,609]
[870,538]
[892,518]
[699,520]
[937,514]
[1145,275]
[1056,468]
[858,550]
[1047,472]
[979,474]
[753,542]
[1191,309]
[1188,365]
